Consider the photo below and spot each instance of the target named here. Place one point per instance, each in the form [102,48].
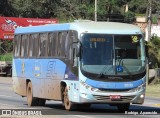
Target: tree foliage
[6,8]
[66,10]
[154,52]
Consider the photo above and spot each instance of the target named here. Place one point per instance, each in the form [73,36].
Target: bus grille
[113,90]
[107,98]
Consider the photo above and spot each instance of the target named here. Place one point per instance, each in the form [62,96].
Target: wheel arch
[63,85]
[27,80]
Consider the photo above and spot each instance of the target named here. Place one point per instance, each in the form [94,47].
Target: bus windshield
[112,54]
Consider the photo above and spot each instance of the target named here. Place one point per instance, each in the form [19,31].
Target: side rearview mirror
[78,50]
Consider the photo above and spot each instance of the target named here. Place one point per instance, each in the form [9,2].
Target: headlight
[139,88]
[88,86]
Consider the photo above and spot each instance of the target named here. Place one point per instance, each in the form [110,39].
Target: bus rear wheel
[67,103]
[30,99]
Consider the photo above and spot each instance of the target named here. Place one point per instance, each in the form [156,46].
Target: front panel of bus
[112,68]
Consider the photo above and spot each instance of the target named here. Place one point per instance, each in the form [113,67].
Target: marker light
[142,96]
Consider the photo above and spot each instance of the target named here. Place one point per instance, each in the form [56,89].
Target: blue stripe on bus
[114,85]
[42,68]
[39,68]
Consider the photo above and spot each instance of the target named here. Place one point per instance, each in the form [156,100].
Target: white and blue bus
[80,64]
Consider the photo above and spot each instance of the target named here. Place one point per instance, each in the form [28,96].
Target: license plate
[115,97]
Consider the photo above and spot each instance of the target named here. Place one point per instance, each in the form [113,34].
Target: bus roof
[84,27]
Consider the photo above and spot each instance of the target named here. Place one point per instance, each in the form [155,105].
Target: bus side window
[75,63]
[68,44]
[16,46]
[43,44]
[63,40]
[52,44]
[69,47]
[19,45]
[61,43]
[35,45]
[30,52]
[72,48]
[24,46]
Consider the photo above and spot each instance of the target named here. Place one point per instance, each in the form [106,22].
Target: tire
[123,107]
[67,103]
[84,106]
[41,102]
[30,99]
[87,105]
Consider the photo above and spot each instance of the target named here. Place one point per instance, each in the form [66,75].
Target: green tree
[35,8]
[154,52]
[6,8]
[138,6]
[141,6]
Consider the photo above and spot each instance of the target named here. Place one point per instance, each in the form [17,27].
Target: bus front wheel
[30,99]
[67,103]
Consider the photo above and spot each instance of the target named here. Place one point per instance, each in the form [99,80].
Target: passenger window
[52,44]
[30,53]
[35,45]
[68,46]
[16,46]
[63,41]
[27,46]
[24,46]
[43,44]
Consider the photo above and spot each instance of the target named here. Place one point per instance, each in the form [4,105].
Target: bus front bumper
[134,98]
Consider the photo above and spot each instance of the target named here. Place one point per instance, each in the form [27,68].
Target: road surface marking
[7,105]
[7,96]
[82,116]
[8,88]
[157,105]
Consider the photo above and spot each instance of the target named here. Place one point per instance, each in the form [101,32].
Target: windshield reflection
[112,54]
[97,50]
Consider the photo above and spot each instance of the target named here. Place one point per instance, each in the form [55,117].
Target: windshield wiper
[103,73]
[120,63]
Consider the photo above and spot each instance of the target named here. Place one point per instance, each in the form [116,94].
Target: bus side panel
[19,81]
[34,73]
[45,75]
[54,74]
[53,90]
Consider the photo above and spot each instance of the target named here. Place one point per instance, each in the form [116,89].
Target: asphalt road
[10,100]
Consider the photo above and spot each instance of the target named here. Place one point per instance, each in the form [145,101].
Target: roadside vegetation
[154,58]
[154,52]
[6,49]
[153,90]
[69,10]
[6,57]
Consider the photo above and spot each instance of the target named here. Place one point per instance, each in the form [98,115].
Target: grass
[153,90]
[6,57]
[140,15]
